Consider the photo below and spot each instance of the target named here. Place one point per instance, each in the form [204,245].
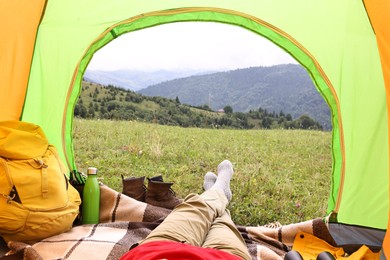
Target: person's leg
[191,220]
[223,235]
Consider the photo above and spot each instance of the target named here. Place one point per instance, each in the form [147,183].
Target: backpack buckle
[41,163]
[9,197]
[12,196]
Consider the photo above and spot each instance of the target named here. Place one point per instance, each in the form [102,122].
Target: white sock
[209,180]
[225,173]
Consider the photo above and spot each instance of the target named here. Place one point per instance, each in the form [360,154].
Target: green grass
[280,175]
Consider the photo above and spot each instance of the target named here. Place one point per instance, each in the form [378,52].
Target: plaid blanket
[124,221]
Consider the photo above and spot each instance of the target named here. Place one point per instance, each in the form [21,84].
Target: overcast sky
[189,45]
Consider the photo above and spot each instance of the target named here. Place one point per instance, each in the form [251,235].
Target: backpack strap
[6,190]
[45,183]
[60,163]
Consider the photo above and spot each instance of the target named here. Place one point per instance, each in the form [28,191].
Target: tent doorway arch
[256,25]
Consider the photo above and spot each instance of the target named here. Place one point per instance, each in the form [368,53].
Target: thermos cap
[92,170]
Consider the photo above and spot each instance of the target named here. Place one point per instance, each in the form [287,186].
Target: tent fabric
[18,26]
[379,11]
[336,41]
[350,236]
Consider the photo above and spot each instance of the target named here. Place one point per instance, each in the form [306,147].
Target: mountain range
[135,80]
[286,88]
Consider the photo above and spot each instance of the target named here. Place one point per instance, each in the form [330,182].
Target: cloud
[189,45]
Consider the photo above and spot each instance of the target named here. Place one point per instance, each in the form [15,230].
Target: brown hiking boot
[161,194]
[156,178]
[134,188]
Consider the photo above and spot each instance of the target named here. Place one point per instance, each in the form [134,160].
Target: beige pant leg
[223,235]
[191,220]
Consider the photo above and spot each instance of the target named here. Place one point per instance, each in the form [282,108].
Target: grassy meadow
[280,175]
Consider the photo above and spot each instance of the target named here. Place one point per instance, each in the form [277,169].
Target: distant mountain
[135,80]
[277,88]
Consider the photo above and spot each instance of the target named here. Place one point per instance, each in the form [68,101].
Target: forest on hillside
[110,102]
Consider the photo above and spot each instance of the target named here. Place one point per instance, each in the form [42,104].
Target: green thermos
[91,198]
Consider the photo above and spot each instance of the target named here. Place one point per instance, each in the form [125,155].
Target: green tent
[46,46]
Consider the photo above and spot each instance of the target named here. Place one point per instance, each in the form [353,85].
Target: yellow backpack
[36,199]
